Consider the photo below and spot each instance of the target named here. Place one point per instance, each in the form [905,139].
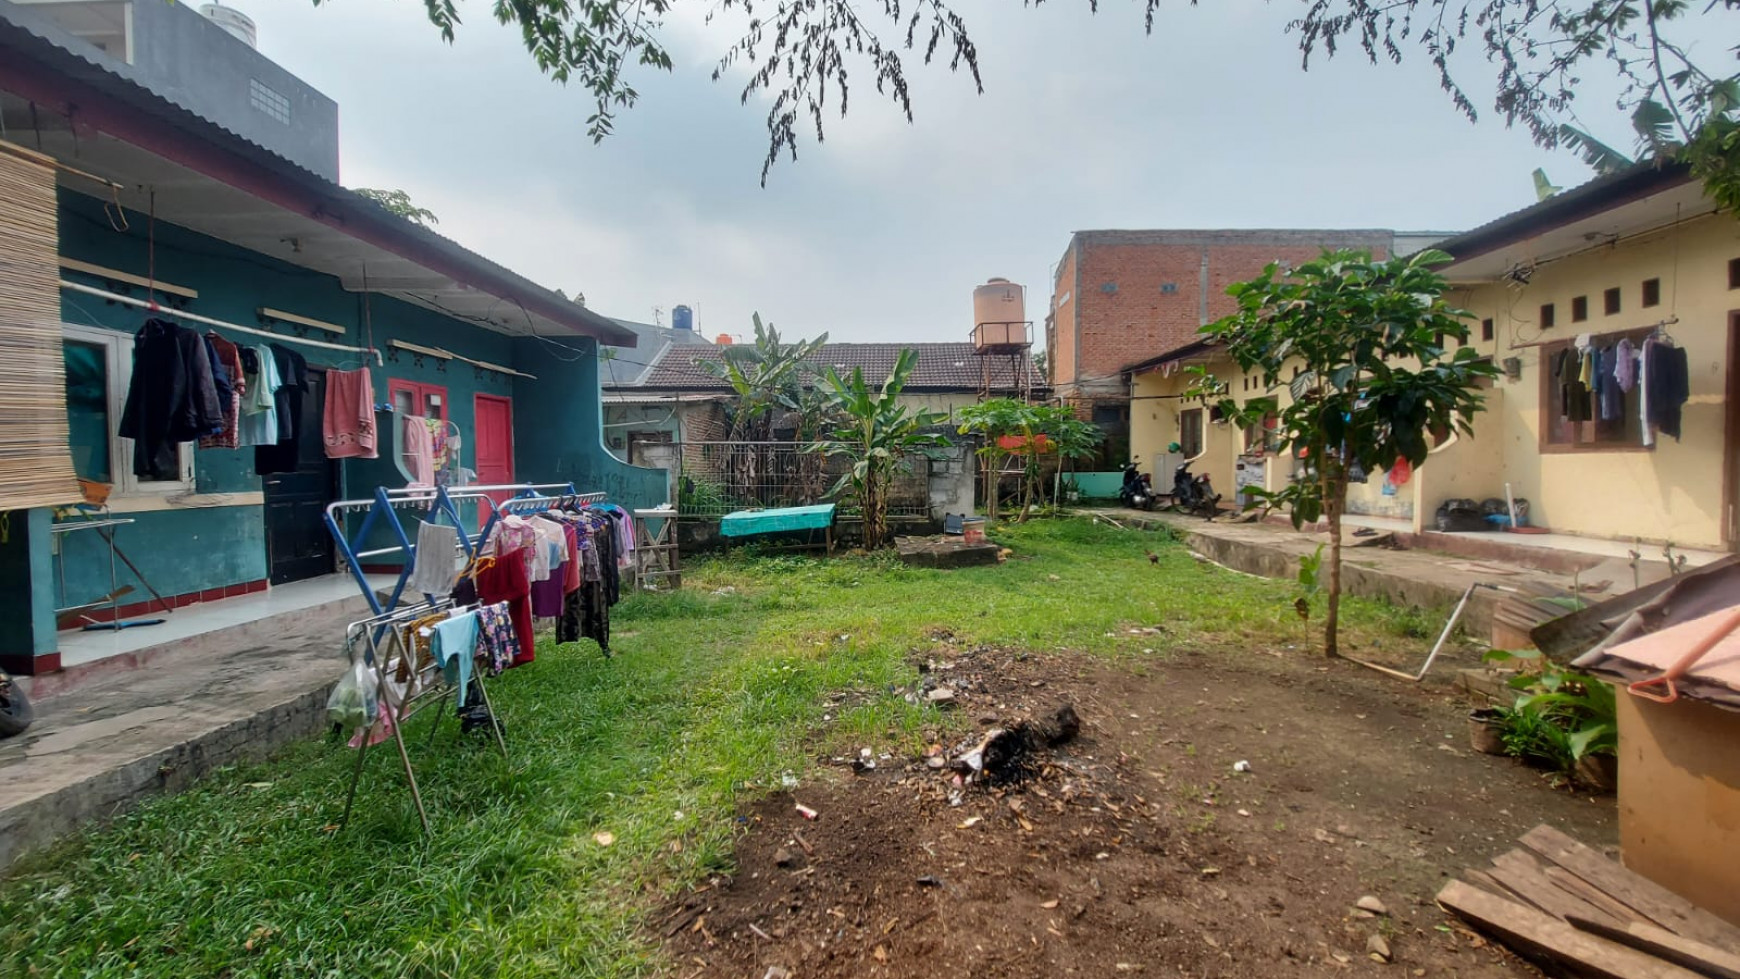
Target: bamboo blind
[35,463]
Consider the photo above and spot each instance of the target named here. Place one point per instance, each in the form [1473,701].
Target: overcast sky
[881,232]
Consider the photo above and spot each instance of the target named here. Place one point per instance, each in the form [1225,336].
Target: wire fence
[712,479]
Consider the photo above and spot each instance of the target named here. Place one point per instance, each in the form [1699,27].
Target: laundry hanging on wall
[284,455]
[348,422]
[172,398]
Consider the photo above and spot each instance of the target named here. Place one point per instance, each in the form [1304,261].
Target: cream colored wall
[945,403]
[1673,492]
[1154,424]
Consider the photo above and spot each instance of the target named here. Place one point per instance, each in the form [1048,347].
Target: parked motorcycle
[1137,491]
[1192,493]
[15,712]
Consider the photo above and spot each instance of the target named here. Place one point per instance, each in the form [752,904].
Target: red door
[495,444]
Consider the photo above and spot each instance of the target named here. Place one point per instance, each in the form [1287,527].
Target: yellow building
[1634,256]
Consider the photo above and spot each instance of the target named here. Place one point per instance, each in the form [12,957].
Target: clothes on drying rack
[432,570]
[348,419]
[570,557]
[419,450]
[1668,383]
[504,580]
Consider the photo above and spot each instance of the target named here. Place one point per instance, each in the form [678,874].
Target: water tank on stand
[234,22]
[682,318]
[999,315]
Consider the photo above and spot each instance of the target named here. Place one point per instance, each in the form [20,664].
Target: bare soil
[1136,849]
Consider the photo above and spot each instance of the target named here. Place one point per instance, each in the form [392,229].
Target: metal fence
[711,479]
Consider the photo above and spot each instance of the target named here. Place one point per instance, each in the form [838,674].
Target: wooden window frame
[1549,398]
[118,358]
[419,392]
[1200,417]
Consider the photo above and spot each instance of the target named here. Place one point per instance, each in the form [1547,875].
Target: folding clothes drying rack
[440,501]
[435,691]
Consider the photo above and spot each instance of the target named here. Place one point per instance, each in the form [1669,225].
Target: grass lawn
[714,695]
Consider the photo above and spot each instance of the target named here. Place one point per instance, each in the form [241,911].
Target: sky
[881,232]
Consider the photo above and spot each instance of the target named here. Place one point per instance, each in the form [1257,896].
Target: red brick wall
[1123,312]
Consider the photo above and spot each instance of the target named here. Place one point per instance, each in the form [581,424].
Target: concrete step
[120,739]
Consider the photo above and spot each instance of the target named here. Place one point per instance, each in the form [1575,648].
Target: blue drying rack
[442,503]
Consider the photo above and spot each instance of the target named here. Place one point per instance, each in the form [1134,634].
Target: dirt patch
[1136,848]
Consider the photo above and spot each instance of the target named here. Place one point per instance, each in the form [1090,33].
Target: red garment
[230,356]
[506,581]
[571,569]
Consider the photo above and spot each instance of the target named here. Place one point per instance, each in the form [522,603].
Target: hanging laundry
[1608,396]
[433,571]
[259,421]
[1645,355]
[498,646]
[171,398]
[1669,384]
[1573,393]
[419,451]
[504,580]
[438,442]
[348,419]
[1625,365]
[455,646]
[285,455]
[229,357]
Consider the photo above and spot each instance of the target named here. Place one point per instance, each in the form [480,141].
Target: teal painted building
[166,207]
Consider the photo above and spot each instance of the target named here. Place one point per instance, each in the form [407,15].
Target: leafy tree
[399,202]
[1054,427]
[1366,339]
[802,54]
[877,433]
[765,375]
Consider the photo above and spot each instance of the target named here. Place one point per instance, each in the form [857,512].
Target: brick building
[1121,297]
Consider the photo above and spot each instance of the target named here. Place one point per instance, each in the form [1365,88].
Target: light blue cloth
[259,425]
[747,522]
[455,646]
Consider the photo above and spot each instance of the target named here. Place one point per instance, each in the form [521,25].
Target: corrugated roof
[45,64]
[941,367]
[628,366]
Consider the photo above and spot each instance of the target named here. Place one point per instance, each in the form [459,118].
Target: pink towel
[419,451]
[349,424]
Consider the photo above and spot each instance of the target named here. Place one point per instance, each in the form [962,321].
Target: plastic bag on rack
[354,702]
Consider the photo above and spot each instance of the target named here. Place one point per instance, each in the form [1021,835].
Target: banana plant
[876,433]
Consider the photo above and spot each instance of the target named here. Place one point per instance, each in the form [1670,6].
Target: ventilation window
[1579,309]
[1168,288]
[1486,331]
[1109,287]
[1652,292]
[1734,273]
[268,100]
[1549,315]
[1610,301]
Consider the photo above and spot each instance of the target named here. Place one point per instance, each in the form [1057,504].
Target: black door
[298,545]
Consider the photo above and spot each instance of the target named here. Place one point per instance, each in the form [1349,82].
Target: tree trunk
[1335,499]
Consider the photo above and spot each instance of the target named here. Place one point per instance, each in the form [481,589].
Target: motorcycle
[1194,494]
[15,712]
[1137,491]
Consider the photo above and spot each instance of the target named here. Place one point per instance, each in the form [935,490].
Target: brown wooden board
[1594,895]
[1519,871]
[1544,937]
[1700,958]
[1643,895]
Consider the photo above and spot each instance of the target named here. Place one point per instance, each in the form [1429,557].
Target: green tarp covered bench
[752,523]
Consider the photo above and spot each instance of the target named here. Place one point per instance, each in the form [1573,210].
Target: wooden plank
[116,275]
[1520,872]
[1635,891]
[1484,881]
[1700,958]
[1541,936]
[1589,892]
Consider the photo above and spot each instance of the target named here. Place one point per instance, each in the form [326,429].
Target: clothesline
[208,321]
[1670,321]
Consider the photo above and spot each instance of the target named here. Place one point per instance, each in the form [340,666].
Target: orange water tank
[724,340]
[999,315]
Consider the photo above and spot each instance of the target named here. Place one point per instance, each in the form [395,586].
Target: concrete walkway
[159,717]
[1426,573]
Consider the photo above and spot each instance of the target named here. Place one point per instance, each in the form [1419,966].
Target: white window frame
[118,351]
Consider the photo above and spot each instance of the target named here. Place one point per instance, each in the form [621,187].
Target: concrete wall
[217,538]
[1673,492]
[188,59]
[1139,294]
[951,480]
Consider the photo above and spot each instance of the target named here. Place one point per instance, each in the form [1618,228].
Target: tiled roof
[941,367]
[628,366]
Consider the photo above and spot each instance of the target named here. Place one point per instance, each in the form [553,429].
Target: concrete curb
[243,732]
